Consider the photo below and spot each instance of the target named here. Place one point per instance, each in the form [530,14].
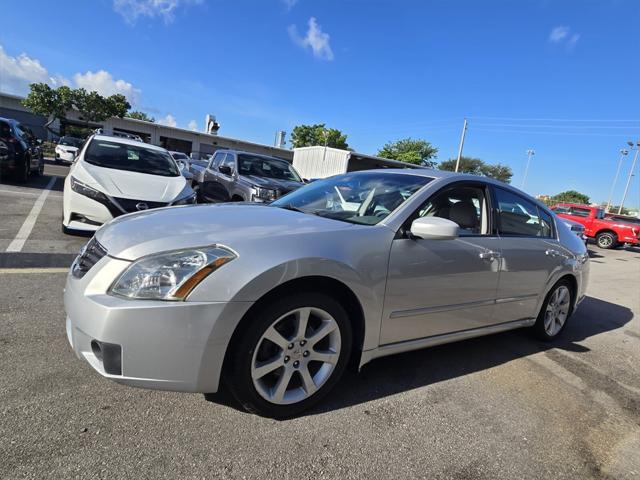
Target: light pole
[633,167]
[623,152]
[464,131]
[530,153]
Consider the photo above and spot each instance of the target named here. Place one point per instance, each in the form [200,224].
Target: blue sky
[560,77]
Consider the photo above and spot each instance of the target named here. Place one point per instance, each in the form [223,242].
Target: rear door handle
[489,255]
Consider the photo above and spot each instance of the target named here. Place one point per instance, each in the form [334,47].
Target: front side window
[215,161]
[364,198]
[600,213]
[266,167]
[229,161]
[518,216]
[464,205]
[132,158]
[5,129]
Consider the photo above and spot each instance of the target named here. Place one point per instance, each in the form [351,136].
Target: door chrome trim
[516,299]
[458,306]
[417,344]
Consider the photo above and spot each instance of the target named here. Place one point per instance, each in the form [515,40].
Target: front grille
[130,205]
[90,254]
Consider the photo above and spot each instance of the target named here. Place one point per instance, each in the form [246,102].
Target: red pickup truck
[609,233]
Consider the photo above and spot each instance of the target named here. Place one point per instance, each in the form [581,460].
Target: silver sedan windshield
[364,197]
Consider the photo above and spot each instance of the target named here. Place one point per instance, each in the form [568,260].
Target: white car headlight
[169,275]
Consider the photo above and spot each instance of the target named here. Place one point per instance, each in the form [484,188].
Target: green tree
[48,102]
[476,166]
[93,107]
[311,135]
[409,150]
[571,196]
[54,103]
[140,116]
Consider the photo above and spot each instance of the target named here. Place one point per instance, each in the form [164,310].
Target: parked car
[247,177]
[576,228]
[20,151]
[275,300]
[113,176]
[623,218]
[182,159]
[608,233]
[67,149]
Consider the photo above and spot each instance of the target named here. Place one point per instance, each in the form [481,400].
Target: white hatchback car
[114,176]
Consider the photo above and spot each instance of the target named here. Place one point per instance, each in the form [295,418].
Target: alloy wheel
[557,310]
[296,355]
[605,241]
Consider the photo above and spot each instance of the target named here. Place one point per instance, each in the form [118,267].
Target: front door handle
[552,253]
[489,255]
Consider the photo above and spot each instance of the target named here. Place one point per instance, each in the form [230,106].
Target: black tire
[237,374]
[607,240]
[539,327]
[25,172]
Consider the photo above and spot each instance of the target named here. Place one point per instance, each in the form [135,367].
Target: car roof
[128,141]
[582,205]
[243,152]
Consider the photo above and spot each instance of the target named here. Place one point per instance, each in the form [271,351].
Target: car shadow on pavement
[403,372]
[36,182]
[399,373]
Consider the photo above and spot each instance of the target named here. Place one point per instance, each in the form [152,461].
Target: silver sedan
[272,302]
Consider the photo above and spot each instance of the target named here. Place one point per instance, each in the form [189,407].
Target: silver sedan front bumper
[177,346]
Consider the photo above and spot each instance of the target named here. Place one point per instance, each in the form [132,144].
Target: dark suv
[20,152]
[246,177]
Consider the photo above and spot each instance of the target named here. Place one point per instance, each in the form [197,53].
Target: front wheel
[555,311]
[290,354]
[23,176]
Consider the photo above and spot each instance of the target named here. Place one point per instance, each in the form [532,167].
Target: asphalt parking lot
[504,406]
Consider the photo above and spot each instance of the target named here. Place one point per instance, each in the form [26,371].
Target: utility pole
[464,131]
[633,167]
[530,153]
[623,152]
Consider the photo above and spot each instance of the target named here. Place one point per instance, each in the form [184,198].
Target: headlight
[87,191]
[188,200]
[169,275]
[264,193]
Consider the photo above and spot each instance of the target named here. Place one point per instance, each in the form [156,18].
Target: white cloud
[16,73]
[104,83]
[131,10]
[289,4]
[558,34]
[315,39]
[169,121]
[193,125]
[562,35]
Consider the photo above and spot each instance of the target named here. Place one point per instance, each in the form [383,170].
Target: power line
[516,125]
[533,132]
[603,120]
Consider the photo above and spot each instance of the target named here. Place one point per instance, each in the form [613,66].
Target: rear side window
[517,216]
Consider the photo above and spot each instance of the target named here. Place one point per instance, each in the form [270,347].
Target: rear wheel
[555,311]
[607,240]
[290,355]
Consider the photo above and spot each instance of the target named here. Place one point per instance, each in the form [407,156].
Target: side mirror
[226,169]
[434,228]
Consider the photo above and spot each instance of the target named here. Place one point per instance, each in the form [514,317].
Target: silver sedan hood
[236,226]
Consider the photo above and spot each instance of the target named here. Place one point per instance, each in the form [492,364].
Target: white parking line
[25,230]
[33,270]
[27,194]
